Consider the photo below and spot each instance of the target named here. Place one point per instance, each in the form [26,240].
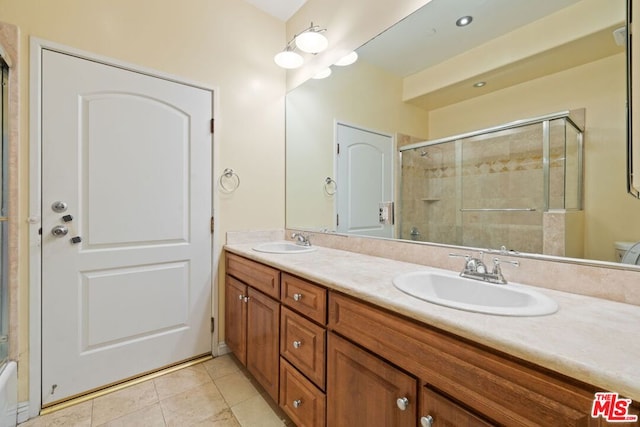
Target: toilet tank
[621,248]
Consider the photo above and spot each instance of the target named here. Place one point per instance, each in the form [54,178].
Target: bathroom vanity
[334,343]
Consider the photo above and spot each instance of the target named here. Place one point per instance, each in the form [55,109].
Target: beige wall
[600,88]
[361,95]
[227,44]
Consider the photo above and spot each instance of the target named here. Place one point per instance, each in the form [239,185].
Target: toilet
[621,248]
[627,252]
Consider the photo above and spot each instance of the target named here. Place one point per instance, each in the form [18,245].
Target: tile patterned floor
[216,393]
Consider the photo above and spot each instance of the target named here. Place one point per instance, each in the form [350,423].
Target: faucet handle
[498,261]
[466,257]
[497,271]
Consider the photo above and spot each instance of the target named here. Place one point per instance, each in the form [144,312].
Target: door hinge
[213,324]
[213,225]
[213,125]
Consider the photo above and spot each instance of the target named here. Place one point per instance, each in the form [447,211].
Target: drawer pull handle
[297,403]
[426,421]
[297,344]
[297,297]
[403,403]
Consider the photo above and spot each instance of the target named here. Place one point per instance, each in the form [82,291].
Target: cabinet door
[363,390]
[235,318]
[263,337]
[439,411]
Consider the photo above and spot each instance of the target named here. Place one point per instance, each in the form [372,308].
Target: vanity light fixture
[288,59]
[479,84]
[310,40]
[347,59]
[323,74]
[463,21]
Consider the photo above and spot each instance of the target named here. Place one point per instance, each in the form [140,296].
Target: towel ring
[330,186]
[229,175]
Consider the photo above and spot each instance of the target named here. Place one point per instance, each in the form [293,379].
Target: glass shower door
[502,189]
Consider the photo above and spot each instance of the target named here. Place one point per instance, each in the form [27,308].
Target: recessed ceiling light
[464,21]
[479,84]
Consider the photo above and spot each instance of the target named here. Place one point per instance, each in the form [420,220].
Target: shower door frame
[575,119]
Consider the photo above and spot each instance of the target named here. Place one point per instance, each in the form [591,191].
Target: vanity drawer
[305,297]
[259,276]
[300,399]
[303,343]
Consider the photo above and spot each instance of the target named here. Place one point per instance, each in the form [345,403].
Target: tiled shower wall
[499,170]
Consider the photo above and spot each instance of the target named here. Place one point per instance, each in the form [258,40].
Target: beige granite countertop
[593,340]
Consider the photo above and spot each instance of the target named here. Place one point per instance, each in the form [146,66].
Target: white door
[128,157]
[365,179]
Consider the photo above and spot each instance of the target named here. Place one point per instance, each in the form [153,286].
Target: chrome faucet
[301,239]
[475,268]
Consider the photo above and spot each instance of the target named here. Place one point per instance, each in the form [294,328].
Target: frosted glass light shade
[311,42]
[288,59]
[348,59]
[322,74]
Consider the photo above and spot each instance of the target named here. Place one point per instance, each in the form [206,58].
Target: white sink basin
[283,248]
[451,290]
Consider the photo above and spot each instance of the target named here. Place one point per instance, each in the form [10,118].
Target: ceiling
[281,9]
[430,35]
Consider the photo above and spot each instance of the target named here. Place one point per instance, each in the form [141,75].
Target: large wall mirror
[432,117]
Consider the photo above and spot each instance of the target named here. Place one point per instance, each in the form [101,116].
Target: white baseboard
[222,349]
[23,412]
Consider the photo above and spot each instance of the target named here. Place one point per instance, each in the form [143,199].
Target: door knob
[59,231]
[403,403]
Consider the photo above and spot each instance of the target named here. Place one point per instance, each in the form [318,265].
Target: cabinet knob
[240,297]
[426,421]
[403,403]
[297,344]
[297,297]
[245,299]
[297,403]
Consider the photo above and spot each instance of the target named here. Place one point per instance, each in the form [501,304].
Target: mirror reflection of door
[364,162]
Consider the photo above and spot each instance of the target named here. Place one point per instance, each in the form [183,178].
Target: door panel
[138,151]
[365,178]
[130,156]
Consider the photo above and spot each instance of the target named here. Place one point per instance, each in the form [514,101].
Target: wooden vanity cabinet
[487,384]
[252,319]
[364,390]
[331,360]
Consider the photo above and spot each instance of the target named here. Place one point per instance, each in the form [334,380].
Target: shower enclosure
[518,185]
